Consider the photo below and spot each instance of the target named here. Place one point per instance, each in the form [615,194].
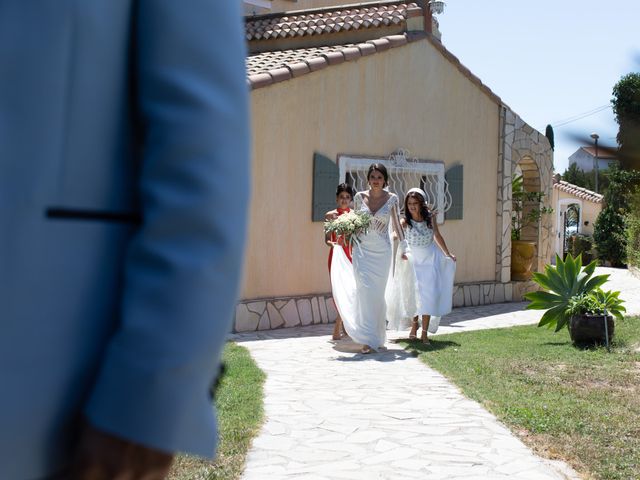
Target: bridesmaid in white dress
[433,274]
[360,296]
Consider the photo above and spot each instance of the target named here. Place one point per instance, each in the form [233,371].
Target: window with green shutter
[325,181]
[454,177]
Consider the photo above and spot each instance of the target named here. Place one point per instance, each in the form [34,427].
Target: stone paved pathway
[332,413]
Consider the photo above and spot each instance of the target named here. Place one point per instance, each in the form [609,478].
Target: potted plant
[526,210]
[573,299]
[588,314]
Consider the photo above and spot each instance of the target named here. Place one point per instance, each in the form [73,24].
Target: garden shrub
[579,244]
[633,231]
[610,233]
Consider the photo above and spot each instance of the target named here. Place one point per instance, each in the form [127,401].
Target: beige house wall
[590,213]
[409,97]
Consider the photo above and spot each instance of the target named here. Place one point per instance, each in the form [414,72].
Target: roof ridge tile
[353,17]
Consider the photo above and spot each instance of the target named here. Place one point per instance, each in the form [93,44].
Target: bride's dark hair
[382,169]
[424,210]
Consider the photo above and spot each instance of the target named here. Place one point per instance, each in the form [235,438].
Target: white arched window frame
[404,173]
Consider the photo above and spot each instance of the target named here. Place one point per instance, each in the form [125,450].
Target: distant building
[586,204]
[584,157]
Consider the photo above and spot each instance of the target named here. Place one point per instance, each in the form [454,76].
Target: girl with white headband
[424,274]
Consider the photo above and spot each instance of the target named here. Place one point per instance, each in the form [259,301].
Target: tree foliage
[626,107]
[580,178]
[609,229]
[633,231]
[549,134]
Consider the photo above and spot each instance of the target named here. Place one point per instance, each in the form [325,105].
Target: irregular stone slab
[275,318]
[331,309]
[306,314]
[290,314]
[257,307]
[264,322]
[246,321]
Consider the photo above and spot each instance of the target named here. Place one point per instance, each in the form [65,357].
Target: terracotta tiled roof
[602,153]
[329,20]
[274,66]
[576,191]
[271,67]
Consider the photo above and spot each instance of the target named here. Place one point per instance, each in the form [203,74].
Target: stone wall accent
[483,293]
[521,145]
[270,314]
[520,288]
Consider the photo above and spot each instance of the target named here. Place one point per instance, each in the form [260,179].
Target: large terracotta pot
[522,256]
[589,329]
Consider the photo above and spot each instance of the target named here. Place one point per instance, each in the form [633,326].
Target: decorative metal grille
[405,172]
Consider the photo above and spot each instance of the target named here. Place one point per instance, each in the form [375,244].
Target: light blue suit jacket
[124,177]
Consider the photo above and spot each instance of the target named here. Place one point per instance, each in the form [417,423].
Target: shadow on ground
[390,355]
[417,347]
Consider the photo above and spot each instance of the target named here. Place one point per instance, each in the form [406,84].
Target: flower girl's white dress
[423,284]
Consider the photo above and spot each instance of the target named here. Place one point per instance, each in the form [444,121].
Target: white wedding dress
[359,289]
[423,284]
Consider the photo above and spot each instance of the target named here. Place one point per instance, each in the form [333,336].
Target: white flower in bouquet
[349,225]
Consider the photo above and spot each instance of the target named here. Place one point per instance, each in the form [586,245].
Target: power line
[580,116]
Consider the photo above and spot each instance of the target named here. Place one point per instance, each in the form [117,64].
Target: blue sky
[550,61]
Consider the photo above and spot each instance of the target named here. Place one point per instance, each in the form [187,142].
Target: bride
[359,292]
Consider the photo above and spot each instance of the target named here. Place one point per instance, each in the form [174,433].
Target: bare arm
[330,215]
[440,241]
[404,225]
[396,222]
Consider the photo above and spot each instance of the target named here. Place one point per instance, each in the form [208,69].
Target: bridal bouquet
[349,225]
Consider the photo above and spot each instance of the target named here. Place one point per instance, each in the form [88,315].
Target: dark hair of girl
[345,187]
[380,168]
[424,211]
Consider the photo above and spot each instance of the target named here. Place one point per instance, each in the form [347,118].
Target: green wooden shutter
[325,180]
[454,177]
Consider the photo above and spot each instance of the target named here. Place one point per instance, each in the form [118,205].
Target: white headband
[418,190]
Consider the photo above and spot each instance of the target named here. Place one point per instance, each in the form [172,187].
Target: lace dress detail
[381,219]
[419,234]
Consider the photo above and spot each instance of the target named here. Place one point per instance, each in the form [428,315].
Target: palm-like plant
[567,280]
[598,303]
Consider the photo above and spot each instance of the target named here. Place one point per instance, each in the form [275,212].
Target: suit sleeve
[183,266]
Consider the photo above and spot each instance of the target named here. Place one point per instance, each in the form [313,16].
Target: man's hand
[101,456]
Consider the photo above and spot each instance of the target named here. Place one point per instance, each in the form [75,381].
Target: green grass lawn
[240,416]
[582,406]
